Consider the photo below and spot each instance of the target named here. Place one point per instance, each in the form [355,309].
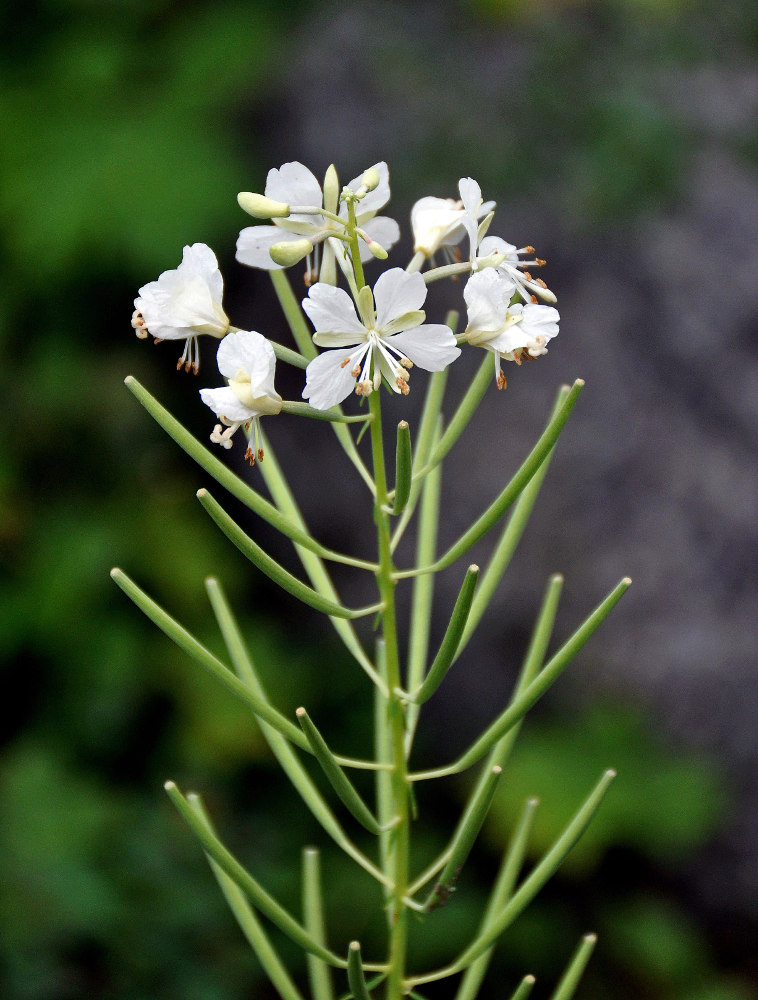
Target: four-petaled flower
[514,332]
[443,222]
[388,339]
[294,184]
[184,303]
[246,359]
[514,268]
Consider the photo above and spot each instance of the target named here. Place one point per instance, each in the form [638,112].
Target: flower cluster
[370,334]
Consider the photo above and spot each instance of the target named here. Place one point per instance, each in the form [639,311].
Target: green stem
[393,720]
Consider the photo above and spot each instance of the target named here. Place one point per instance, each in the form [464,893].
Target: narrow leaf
[355,977]
[319,975]
[463,840]
[270,566]
[403,463]
[207,660]
[247,920]
[511,492]
[570,978]
[335,775]
[449,645]
[242,878]
[301,781]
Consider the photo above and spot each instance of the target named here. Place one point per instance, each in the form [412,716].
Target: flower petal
[487,294]
[396,293]
[249,352]
[294,184]
[432,346]
[331,310]
[200,259]
[224,403]
[328,380]
[254,243]
[384,230]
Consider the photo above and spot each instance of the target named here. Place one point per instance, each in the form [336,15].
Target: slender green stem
[293,314]
[355,976]
[393,720]
[333,415]
[524,988]
[416,262]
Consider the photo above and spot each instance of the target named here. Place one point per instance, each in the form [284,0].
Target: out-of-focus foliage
[128,128]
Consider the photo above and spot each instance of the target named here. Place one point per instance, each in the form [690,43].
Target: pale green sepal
[290,252]
[366,307]
[334,414]
[258,896]
[319,975]
[570,978]
[280,748]
[261,207]
[335,775]
[463,840]
[220,472]
[271,567]
[528,468]
[247,920]
[509,539]
[405,322]
[484,225]
[510,868]
[331,189]
[171,627]
[403,466]
[453,632]
[355,977]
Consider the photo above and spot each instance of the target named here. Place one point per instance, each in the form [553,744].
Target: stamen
[356,371]
[501,380]
[402,385]
[363,388]
[250,455]
[540,282]
[406,363]
[345,363]
[139,325]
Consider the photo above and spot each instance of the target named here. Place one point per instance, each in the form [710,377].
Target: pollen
[345,363]
[501,380]
[250,456]
[406,363]
[356,372]
[402,385]
[139,325]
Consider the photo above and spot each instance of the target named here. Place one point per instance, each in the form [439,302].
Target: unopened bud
[261,207]
[331,189]
[376,249]
[371,179]
[290,252]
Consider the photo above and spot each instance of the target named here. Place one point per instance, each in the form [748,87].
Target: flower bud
[261,207]
[376,249]
[289,252]
[331,189]
[370,179]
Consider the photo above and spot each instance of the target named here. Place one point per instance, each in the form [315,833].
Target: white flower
[295,185]
[388,341]
[443,222]
[514,268]
[514,332]
[184,303]
[246,359]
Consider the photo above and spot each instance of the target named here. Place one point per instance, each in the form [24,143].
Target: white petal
[435,221]
[493,244]
[249,352]
[375,199]
[331,310]
[294,184]
[396,292]
[224,403]
[471,195]
[487,294]
[385,231]
[200,259]
[254,243]
[538,320]
[431,346]
[327,382]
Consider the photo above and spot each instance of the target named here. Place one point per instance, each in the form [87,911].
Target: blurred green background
[128,127]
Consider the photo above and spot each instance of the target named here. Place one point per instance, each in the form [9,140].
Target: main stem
[397,855]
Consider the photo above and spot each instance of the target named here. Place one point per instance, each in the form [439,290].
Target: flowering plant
[373,335]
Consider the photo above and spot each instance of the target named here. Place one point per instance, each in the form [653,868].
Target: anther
[540,262]
[139,325]
[501,380]
[345,363]
[528,250]
[250,455]
[402,385]
[356,371]
[406,363]
[539,281]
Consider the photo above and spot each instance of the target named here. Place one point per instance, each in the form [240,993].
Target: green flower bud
[331,190]
[261,207]
[289,252]
[370,179]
